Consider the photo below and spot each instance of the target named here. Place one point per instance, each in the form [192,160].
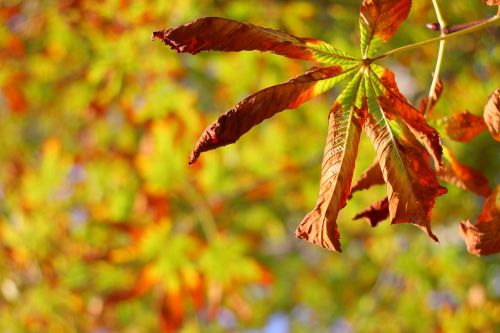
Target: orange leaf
[411,116]
[376,213]
[371,176]
[463,176]
[221,34]
[412,186]
[492,114]
[379,20]
[462,126]
[483,238]
[264,104]
[344,129]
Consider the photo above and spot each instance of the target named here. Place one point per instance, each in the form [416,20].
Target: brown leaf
[379,20]
[371,176]
[412,186]
[492,2]
[412,116]
[230,126]
[492,114]
[376,213]
[221,34]
[483,238]
[320,226]
[463,176]
[462,126]
[435,98]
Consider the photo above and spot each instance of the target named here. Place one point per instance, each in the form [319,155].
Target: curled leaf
[379,20]
[492,114]
[462,126]
[230,126]
[483,238]
[371,176]
[221,34]
[376,213]
[344,129]
[463,176]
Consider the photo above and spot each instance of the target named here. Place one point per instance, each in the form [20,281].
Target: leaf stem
[491,21]
[439,61]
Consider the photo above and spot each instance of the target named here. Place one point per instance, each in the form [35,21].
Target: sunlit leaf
[492,115]
[461,127]
[378,22]
[221,34]
[254,109]
[412,186]
[483,238]
[462,175]
[344,130]
[414,119]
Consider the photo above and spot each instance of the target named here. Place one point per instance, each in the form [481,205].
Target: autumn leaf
[230,126]
[412,186]
[492,114]
[376,213]
[492,2]
[462,175]
[378,22]
[416,121]
[221,34]
[462,126]
[344,129]
[483,238]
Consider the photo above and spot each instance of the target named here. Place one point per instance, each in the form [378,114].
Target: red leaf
[492,2]
[462,126]
[344,130]
[412,116]
[371,176]
[230,126]
[492,114]
[376,213]
[463,176]
[379,20]
[221,34]
[483,238]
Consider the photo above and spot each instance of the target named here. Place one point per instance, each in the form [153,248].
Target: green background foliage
[104,227]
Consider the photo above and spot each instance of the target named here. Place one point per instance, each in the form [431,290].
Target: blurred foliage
[104,227]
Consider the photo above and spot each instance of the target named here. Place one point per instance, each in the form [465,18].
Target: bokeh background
[104,227]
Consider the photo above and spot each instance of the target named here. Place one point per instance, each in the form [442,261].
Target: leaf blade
[379,21]
[412,186]
[221,34]
[492,114]
[483,238]
[344,131]
[231,125]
